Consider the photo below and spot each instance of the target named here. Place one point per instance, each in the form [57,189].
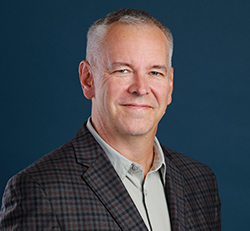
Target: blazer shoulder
[65,158]
[187,166]
[57,158]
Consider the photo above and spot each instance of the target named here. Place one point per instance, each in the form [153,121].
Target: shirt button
[134,167]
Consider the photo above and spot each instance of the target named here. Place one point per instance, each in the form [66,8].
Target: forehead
[135,40]
[120,29]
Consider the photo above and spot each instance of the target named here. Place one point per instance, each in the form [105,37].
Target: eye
[122,71]
[156,73]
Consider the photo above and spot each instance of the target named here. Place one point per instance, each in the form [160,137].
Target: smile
[137,106]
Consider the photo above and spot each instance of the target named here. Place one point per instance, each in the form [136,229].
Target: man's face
[133,83]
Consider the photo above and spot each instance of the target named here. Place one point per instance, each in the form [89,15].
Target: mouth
[137,106]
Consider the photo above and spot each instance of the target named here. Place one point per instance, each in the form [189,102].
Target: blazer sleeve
[26,207]
[217,207]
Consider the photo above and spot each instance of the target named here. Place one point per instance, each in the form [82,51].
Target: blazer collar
[175,192]
[103,180]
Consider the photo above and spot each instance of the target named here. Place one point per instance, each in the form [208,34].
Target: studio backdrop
[42,105]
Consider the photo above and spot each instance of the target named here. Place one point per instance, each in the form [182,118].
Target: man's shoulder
[62,160]
[49,164]
[187,166]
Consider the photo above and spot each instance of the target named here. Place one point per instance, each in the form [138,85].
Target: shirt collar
[121,164]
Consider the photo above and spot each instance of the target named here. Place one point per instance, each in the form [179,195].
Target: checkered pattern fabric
[75,187]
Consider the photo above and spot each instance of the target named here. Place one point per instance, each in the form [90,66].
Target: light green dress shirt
[147,194]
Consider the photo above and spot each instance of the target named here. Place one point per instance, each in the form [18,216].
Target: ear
[171,85]
[86,79]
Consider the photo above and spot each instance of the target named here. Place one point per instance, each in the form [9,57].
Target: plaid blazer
[75,187]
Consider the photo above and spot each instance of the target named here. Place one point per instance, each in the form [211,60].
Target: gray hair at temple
[128,16]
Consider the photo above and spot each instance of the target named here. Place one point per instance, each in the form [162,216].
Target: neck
[137,148]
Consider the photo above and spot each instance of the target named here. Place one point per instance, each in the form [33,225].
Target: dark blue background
[42,106]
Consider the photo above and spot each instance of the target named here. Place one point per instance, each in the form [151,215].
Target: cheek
[115,88]
[161,92]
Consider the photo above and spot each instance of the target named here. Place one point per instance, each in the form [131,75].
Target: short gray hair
[128,16]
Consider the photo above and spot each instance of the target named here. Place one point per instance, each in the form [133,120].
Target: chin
[137,130]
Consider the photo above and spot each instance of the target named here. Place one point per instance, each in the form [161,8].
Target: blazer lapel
[105,183]
[175,194]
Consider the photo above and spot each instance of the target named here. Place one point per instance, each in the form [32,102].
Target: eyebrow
[159,67]
[117,64]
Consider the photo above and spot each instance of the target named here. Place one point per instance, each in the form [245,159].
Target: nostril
[135,90]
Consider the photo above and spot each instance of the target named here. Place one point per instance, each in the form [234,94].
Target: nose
[139,85]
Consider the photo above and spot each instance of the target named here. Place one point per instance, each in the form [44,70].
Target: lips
[137,106]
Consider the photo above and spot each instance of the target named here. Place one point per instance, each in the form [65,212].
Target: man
[114,174]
